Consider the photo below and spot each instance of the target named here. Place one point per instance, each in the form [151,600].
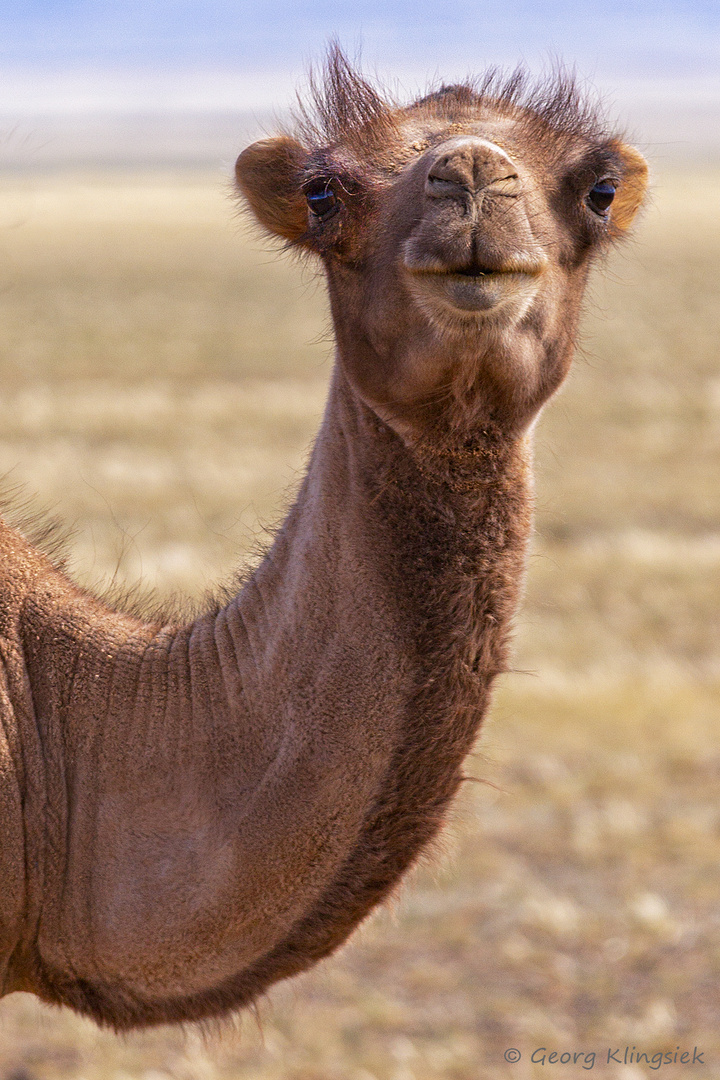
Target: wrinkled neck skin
[194,812]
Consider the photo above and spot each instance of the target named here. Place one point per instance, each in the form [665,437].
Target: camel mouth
[530,265]
[476,271]
[478,288]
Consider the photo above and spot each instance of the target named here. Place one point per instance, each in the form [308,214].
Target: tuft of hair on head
[555,101]
[341,106]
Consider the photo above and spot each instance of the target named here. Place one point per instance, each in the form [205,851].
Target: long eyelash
[340,184]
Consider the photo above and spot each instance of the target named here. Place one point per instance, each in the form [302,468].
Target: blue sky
[96,53]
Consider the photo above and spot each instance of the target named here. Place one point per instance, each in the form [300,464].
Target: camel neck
[439,520]
[424,573]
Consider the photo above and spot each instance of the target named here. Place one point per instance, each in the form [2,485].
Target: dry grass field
[161,376]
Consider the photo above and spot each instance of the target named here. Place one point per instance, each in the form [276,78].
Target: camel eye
[601,195]
[321,198]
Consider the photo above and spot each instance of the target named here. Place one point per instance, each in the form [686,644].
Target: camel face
[469,282]
[456,234]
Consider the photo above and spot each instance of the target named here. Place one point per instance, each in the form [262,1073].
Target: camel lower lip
[476,292]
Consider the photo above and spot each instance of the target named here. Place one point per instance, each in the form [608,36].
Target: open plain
[162,372]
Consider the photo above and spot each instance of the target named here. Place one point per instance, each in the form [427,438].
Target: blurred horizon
[184,83]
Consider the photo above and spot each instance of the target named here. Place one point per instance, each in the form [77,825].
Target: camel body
[192,812]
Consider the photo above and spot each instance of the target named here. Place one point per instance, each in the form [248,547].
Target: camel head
[456,234]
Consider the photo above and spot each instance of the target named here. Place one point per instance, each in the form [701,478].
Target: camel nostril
[505,185]
[441,187]
[449,175]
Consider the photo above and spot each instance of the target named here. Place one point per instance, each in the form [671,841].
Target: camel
[194,811]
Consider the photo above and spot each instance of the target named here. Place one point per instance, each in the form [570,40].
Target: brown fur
[192,811]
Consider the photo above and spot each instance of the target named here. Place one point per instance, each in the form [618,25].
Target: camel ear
[633,185]
[269,174]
